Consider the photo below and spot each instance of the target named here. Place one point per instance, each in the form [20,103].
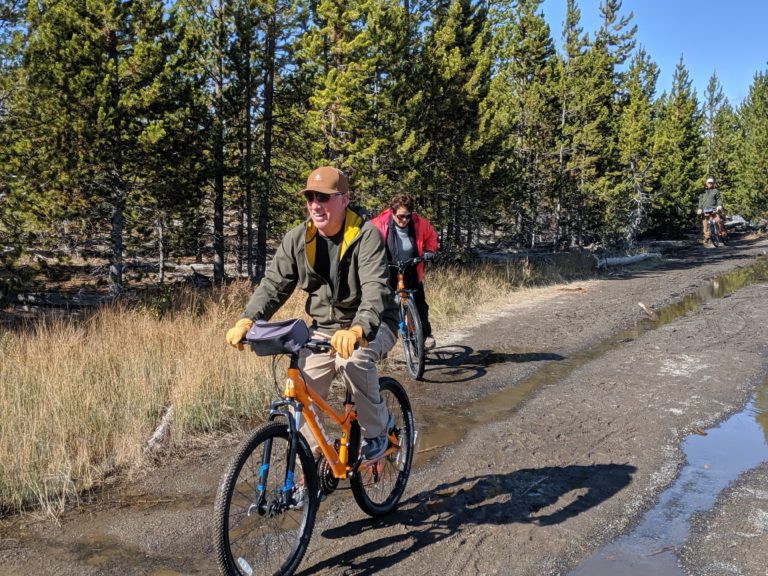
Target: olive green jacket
[359,293]
[710,198]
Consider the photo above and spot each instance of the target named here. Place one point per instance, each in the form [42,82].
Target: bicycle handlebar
[319,345]
[313,345]
[410,262]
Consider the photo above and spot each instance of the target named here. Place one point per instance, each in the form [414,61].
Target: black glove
[429,256]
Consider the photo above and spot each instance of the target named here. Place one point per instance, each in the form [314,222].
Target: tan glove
[698,211]
[343,341]
[719,209]
[238,332]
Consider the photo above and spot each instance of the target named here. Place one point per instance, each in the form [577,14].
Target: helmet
[710,180]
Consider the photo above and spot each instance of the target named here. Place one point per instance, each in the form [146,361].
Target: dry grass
[79,399]
[455,293]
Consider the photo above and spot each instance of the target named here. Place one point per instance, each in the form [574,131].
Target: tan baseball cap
[327,180]
[710,179]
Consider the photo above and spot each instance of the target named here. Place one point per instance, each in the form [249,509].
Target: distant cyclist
[406,235]
[709,200]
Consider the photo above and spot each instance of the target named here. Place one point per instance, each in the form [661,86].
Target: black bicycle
[410,329]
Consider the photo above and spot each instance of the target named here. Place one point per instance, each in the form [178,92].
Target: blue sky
[726,37]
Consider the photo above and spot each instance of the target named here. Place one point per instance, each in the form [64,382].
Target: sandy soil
[547,427]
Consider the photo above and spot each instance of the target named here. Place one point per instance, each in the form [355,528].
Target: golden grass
[455,293]
[79,399]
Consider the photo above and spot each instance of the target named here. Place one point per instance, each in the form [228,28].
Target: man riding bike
[709,201]
[340,262]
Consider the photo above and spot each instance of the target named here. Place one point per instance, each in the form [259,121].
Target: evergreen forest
[185,128]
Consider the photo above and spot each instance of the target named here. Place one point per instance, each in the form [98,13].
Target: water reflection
[712,464]
[761,408]
[718,287]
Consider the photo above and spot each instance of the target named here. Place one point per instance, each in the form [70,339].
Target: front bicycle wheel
[265,509]
[378,486]
[713,233]
[413,339]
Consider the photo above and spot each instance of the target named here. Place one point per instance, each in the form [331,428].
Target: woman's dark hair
[401,200]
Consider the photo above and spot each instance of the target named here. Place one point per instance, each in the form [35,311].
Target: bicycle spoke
[378,487]
[258,531]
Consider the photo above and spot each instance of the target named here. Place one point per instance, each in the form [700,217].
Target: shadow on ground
[540,496]
[459,363]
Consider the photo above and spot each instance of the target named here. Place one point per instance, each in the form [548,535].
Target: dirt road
[546,429]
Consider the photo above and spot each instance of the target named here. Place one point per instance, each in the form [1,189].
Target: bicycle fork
[263,504]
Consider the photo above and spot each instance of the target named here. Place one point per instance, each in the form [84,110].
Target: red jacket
[426,237]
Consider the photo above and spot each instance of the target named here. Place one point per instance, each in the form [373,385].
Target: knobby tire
[269,538]
[378,487]
[713,233]
[413,339]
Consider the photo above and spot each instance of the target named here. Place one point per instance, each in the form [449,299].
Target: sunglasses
[403,216]
[321,198]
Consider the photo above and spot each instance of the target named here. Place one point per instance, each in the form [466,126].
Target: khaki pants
[359,373]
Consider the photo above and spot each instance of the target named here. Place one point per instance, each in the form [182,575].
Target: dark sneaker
[374,448]
[429,343]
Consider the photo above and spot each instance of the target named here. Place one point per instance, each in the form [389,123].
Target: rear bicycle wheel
[265,511]
[378,486]
[413,339]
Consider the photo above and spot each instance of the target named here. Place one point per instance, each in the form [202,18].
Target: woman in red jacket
[406,234]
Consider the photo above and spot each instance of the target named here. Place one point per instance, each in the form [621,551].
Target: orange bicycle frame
[297,389]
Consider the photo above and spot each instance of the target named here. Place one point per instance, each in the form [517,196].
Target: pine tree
[519,116]
[104,107]
[752,178]
[443,122]
[630,199]
[677,152]
[171,153]
[720,126]
[570,69]
[336,50]
[18,214]
[376,155]
[599,173]
[356,58]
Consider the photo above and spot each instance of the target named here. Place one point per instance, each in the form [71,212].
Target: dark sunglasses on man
[320,197]
[403,216]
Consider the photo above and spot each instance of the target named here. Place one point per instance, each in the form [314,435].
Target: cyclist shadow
[459,363]
[540,496]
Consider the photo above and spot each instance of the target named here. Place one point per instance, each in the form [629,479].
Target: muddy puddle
[440,428]
[712,462]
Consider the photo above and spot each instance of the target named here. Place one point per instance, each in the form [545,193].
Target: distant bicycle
[410,329]
[268,497]
[716,233]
